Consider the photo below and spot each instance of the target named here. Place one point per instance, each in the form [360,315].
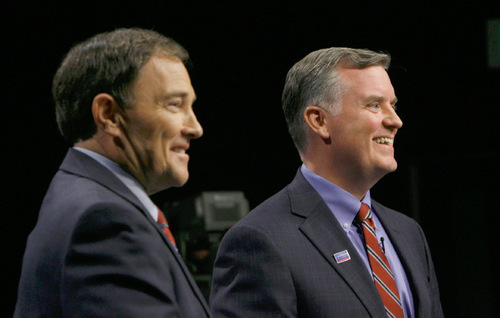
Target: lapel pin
[341,257]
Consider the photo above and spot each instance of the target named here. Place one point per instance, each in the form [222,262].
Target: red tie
[164,226]
[382,274]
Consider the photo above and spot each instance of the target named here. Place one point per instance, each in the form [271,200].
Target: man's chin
[389,168]
[161,186]
[178,180]
[384,169]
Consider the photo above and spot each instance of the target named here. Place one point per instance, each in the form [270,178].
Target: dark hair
[106,63]
[315,80]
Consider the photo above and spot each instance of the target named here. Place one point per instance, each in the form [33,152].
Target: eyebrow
[376,98]
[181,94]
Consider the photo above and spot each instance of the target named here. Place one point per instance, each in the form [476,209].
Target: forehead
[164,72]
[369,81]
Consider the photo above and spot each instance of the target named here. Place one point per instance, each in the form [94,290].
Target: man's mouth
[384,140]
[179,150]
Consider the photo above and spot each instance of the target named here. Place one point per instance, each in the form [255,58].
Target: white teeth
[384,140]
[180,150]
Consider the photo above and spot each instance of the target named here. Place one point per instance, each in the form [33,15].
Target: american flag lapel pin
[341,257]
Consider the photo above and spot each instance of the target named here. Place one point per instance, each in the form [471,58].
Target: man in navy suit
[302,252]
[124,101]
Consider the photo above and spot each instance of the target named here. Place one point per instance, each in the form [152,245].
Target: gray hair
[315,80]
[106,63]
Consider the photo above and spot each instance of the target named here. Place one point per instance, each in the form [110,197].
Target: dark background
[449,101]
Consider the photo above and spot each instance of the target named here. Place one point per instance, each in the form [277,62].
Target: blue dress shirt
[345,207]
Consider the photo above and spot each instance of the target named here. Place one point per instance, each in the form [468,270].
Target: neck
[96,146]
[105,147]
[345,178]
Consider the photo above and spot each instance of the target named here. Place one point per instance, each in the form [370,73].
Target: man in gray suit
[101,247]
[302,252]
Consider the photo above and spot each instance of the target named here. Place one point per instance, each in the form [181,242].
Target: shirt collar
[343,205]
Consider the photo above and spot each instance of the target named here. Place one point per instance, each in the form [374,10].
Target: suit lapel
[326,234]
[415,273]
[187,274]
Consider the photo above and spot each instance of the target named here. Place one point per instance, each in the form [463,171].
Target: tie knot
[364,213]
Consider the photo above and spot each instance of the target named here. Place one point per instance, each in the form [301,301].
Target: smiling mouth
[384,140]
[179,150]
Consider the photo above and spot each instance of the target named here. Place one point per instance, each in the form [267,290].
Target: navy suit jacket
[278,262]
[96,252]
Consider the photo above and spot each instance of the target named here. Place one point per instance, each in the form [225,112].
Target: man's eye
[174,103]
[376,106]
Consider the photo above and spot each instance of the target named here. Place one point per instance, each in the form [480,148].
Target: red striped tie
[382,274]
[164,226]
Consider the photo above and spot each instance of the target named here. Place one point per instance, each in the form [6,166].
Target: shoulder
[274,209]
[70,194]
[83,184]
[78,204]
[396,222]
[277,220]
[390,215]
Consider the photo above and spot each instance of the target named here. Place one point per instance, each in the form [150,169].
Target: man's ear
[316,119]
[106,113]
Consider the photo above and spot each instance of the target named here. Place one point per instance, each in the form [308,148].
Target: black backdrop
[449,101]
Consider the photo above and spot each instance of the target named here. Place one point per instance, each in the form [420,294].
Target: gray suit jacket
[278,262]
[96,252]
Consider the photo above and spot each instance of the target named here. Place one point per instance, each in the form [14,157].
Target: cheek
[366,123]
[140,130]
[156,133]
[361,132]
